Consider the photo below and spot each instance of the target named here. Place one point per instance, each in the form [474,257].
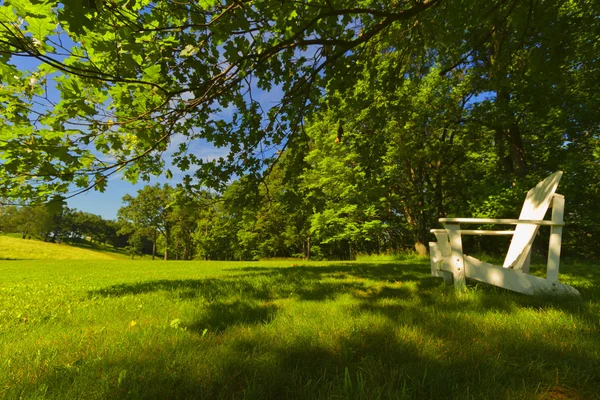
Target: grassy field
[15,248]
[273,330]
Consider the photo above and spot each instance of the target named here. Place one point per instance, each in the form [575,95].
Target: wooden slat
[437,260]
[505,221]
[512,279]
[485,233]
[535,206]
[476,232]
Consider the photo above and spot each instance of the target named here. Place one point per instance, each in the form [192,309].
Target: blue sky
[107,204]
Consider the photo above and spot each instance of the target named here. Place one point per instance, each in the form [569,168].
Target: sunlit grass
[15,248]
[364,330]
[399,256]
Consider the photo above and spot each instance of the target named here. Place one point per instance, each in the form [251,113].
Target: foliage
[150,211]
[391,115]
[57,224]
[129,77]
[40,221]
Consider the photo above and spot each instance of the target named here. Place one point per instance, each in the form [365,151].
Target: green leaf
[41,27]
[152,73]
[188,50]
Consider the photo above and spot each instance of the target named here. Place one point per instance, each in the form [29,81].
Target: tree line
[336,196]
[59,223]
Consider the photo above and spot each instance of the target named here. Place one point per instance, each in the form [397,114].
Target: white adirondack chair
[449,262]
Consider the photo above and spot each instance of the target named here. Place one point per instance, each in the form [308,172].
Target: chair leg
[526,263]
[437,258]
[558,206]
[457,258]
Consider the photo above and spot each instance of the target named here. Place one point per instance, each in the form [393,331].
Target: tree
[419,108]
[137,238]
[38,220]
[215,235]
[272,222]
[137,73]
[8,218]
[151,210]
[343,194]
[185,212]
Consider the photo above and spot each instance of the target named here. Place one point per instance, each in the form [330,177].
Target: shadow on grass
[247,298]
[272,283]
[388,271]
[408,341]
[371,364]
[248,287]
[432,356]
[95,246]
[219,316]
[366,282]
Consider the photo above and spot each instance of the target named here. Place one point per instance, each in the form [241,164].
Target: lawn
[273,330]
[15,248]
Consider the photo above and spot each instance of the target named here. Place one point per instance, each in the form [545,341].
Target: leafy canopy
[124,78]
[93,88]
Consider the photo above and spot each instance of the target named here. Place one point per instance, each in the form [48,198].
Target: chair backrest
[536,204]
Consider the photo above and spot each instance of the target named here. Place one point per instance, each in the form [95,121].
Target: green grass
[117,253]
[270,330]
[15,248]
[400,256]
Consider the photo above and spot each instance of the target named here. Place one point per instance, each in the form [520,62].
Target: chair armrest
[502,221]
[477,232]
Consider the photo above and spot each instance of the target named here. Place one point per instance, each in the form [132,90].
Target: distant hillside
[12,248]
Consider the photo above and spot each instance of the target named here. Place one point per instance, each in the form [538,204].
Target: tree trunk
[422,231]
[517,152]
[166,247]
[508,133]
[185,250]
[421,249]
[415,215]
[154,244]
[439,195]
[509,138]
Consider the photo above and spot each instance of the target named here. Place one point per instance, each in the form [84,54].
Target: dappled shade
[362,330]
